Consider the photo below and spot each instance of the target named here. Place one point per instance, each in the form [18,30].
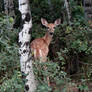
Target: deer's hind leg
[45,68]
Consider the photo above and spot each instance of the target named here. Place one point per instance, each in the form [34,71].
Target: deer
[40,46]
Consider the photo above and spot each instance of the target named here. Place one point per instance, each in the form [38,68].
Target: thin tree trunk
[84,10]
[68,11]
[6,6]
[50,5]
[51,8]
[9,7]
[1,6]
[88,9]
[24,50]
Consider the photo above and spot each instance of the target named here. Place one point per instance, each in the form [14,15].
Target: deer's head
[50,26]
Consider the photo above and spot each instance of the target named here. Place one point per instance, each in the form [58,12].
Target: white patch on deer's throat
[40,52]
[34,53]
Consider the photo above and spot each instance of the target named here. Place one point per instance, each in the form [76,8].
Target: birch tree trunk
[68,11]
[24,50]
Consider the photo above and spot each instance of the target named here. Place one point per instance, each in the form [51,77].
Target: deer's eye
[48,28]
[54,27]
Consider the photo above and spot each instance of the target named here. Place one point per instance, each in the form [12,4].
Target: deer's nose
[51,33]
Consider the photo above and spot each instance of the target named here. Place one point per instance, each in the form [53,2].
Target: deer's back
[39,47]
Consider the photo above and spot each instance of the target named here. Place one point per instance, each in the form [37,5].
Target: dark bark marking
[19,55]
[17,39]
[27,62]
[30,30]
[22,72]
[20,49]
[27,43]
[22,34]
[21,26]
[28,66]
[24,51]
[20,43]
[23,75]
[26,87]
[27,17]
[23,21]
[22,4]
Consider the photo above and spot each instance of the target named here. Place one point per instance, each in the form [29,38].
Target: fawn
[40,46]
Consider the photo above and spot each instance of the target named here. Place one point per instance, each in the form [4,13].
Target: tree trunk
[50,5]
[9,7]
[24,50]
[51,8]
[68,11]
[1,6]
[88,9]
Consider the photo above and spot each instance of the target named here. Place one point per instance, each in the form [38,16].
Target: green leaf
[11,20]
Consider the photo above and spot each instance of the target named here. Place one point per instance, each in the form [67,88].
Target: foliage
[10,77]
[70,50]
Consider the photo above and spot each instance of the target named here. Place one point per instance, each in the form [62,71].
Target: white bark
[24,50]
[68,11]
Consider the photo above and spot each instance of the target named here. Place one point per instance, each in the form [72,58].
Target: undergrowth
[69,64]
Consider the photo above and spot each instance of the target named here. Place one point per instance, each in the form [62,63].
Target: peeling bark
[24,50]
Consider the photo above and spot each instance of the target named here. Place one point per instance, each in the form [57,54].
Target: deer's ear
[57,22]
[44,22]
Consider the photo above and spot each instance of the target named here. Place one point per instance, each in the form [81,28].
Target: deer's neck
[47,38]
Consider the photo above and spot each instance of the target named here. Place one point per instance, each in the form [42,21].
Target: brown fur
[40,46]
